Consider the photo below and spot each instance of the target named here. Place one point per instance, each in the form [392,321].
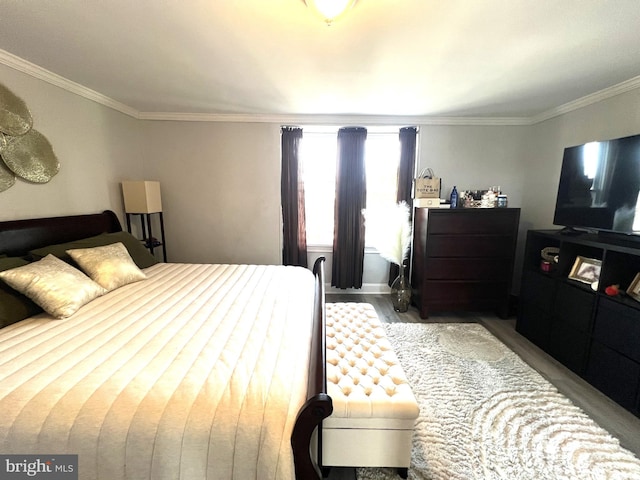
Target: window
[318,153]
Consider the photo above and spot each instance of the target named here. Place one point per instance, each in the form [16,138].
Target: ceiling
[402,58]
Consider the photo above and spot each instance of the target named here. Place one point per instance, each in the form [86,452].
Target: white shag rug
[486,415]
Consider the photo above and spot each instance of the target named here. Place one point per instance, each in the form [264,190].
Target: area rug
[485,414]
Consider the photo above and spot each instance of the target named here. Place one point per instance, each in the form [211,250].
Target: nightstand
[149,241]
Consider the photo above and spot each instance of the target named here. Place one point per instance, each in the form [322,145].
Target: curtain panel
[351,194]
[406,172]
[406,169]
[294,244]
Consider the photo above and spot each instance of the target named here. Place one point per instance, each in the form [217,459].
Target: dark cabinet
[595,335]
[462,259]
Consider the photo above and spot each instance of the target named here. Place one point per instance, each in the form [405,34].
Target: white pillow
[54,285]
[110,266]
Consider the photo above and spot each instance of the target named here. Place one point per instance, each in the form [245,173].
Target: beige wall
[616,117]
[220,189]
[96,147]
[221,181]
[475,157]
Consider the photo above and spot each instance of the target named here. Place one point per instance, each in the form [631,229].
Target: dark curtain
[294,249]
[406,168]
[408,140]
[351,194]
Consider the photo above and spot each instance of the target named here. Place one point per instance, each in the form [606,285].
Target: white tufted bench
[374,409]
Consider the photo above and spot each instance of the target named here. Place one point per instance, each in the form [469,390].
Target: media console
[594,334]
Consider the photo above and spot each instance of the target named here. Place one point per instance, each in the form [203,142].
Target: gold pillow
[53,284]
[110,266]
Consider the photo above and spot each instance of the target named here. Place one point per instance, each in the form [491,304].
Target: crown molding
[623,87]
[36,71]
[343,120]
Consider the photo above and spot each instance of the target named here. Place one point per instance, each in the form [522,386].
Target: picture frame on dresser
[586,270]
[634,288]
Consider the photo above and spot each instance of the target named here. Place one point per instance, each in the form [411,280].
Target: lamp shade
[141,196]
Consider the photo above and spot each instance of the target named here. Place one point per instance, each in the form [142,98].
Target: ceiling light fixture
[330,10]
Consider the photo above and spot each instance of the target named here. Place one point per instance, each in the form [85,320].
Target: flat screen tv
[599,186]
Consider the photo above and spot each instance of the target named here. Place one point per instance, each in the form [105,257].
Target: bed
[194,371]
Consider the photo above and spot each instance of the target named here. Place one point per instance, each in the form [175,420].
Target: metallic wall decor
[30,156]
[7,177]
[15,118]
[24,152]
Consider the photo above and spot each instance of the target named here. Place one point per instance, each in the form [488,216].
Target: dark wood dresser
[462,259]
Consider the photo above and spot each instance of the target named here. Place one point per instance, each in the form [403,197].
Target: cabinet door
[537,293]
[570,322]
[538,288]
[534,323]
[618,327]
[568,346]
[613,374]
[573,306]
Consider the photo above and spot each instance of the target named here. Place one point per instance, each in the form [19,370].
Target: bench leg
[403,472]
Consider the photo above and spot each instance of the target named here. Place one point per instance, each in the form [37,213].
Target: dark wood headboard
[17,237]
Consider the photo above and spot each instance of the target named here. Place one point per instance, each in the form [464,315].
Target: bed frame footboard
[318,405]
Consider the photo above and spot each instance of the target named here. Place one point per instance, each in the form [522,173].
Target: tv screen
[599,186]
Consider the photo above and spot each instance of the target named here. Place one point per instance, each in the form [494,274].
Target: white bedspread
[197,372]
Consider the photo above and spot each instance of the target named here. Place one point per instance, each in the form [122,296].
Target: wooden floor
[608,414]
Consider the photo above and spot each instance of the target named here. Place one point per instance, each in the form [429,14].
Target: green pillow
[13,305]
[140,255]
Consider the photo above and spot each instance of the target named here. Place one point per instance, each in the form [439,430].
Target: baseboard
[370,288]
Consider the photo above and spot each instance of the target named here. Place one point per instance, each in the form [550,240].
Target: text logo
[49,467]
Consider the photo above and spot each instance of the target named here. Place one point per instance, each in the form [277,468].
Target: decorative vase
[401,291]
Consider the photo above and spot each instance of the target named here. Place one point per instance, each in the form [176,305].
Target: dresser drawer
[467,268]
[460,292]
[473,221]
[469,246]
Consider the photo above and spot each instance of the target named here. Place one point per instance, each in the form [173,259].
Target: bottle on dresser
[453,199]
